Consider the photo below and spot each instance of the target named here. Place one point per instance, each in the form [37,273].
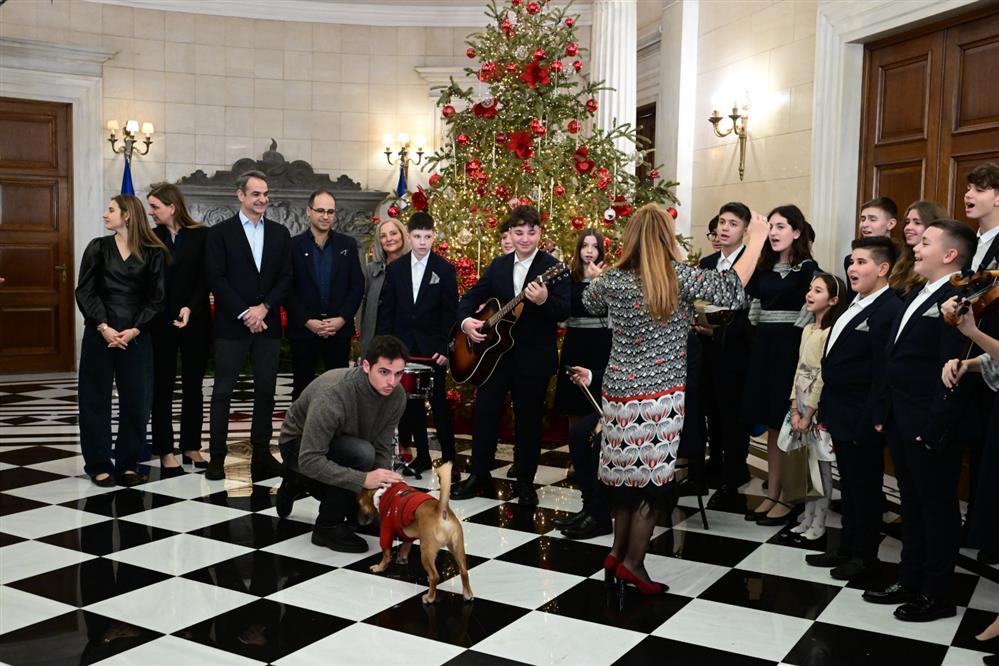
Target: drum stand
[398,464]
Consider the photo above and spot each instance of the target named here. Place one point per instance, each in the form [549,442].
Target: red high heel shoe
[624,575]
[611,564]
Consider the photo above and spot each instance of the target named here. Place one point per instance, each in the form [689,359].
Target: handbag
[799,477]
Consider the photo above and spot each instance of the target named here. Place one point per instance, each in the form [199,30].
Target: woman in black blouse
[119,293]
[183,326]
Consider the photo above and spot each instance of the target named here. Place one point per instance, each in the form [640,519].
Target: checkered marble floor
[185,570]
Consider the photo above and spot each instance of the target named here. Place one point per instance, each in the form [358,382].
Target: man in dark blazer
[418,305]
[526,369]
[327,288]
[920,422]
[852,366]
[726,357]
[248,267]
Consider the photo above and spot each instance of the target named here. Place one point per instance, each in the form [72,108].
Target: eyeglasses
[322,212]
[711,235]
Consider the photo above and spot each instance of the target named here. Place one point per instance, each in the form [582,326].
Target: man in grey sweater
[337,438]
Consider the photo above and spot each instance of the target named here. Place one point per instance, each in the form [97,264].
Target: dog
[409,514]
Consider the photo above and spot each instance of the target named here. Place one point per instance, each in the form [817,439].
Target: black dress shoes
[562,522]
[171,472]
[265,466]
[418,466]
[588,528]
[216,469]
[725,497]
[826,560]
[991,660]
[855,568]
[925,609]
[526,494]
[284,501]
[512,472]
[473,486]
[107,482]
[339,538]
[131,479]
[768,521]
[198,464]
[894,594]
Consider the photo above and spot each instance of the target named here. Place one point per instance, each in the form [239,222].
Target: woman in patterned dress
[648,297]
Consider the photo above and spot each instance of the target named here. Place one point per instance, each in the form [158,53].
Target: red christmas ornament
[507,27]
[569,21]
[571,50]
[443,247]
[653,174]
[501,192]
[578,223]
[448,111]
[534,75]
[487,108]
[481,190]
[559,191]
[572,127]
[472,166]
[462,139]
[672,212]
[418,199]
[501,138]
[533,8]
[435,180]
[621,206]
[515,3]
[545,217]
[526,167]
[577,65]
[539,54]
[617,253]
[607,243]
[470,52]
[487,71]
[491,222]
[376,219]
[591,105]
[521,145]
[525,201]
[393,211]
[556,66]
[511,68]
[582,151]
[538,128]
[584,166]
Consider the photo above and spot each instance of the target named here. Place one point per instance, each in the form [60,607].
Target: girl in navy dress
[781,280]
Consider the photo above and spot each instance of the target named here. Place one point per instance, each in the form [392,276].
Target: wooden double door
[37,310]
[930,111]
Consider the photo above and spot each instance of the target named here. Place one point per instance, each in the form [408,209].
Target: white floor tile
[744,631]
[960,657]
[348,594]
[724,523]
[66,466]
[467,508]
[847,609]
[890,550]
[546,638]
[788,562]
[179,554]
[302,548]
[488,541]
[686,578]
[170,651]
[61,490]
[189,486]
[47,520]
[368,645]
[185,516]
[30,558]
[304,510]
[514,584]
[986,596]
[171,605]
[19,609]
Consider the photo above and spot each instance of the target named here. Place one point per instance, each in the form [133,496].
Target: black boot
[339,538]
[264,466]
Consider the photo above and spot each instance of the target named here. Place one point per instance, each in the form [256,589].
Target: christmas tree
[527,138]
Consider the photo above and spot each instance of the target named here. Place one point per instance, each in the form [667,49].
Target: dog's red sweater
[396,510]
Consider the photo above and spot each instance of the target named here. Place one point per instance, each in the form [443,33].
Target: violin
[981,295]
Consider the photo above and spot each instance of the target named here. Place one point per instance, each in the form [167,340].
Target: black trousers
[335,504]
[725,381]
[931,516]
[694,434]
[585,452]
[976,401]
[229,358]
[528,393]
[983,529]
[305,354]
[131,370]
[193,345]
[414,419]
[861,470]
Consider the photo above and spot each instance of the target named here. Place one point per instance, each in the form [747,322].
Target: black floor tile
[79,637]
[565,555]
[264,630]
[537,520]
[473,658]
[412,571]
[555,459]
[450,620]
[973,623]
[831,645]
[767,592]
[254,530]
[654,650]
[258,573]
[700,547]
[121,503]
[34,454]
[108,537]
[9,539]
[18,477]
[592,601]
[10,504]
[89,582]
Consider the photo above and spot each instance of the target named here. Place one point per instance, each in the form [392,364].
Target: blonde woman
[120,292]
[391,241]
[649,296]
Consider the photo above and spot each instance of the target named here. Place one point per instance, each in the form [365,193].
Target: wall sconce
[129,138]
[403,154]
[739,124]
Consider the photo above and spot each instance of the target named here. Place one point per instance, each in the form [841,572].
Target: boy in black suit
[418,305]
[248,267]
[326,292]
[877,218]
[920,422]
[527,368]
[852,365]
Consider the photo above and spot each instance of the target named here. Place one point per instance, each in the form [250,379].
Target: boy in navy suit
[852,365]
[418,305]
[526,369]
[877,218]
[326,292]
[920,422]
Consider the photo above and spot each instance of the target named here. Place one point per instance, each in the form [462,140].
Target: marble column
[614,55]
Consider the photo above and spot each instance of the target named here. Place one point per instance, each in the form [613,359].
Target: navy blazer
[425,326]
[850,403]
[916,396]
[187,286]
[535,333]
[345,277]
[237,284]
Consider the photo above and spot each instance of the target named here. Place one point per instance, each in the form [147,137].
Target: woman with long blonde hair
[649,296]
[391,241]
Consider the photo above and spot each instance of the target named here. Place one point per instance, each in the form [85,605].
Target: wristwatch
[101,327]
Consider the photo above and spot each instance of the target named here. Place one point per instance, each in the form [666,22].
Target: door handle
[61,269]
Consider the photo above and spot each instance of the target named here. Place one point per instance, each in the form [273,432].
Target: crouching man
[337,438]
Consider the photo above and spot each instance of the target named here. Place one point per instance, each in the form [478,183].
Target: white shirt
[726,263]
[520,269]
[918,301]
[419,267]
[254,236]
[856,307]
[984,241]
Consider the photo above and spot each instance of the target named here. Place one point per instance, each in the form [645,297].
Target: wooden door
[930,111]
[646,129]
[36,237]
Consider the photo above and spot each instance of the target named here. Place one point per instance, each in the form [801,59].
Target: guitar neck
[505,310]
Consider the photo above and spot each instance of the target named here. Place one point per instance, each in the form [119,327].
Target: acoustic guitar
[474,362]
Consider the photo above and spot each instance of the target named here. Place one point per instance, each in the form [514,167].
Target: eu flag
[126,179]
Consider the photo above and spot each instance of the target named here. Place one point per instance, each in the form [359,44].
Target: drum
[418,381]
